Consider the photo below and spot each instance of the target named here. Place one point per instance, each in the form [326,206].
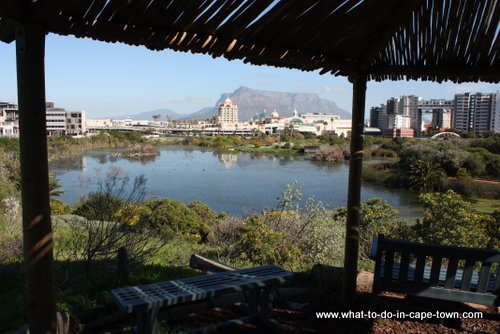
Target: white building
[9,120]
[99,123]
[397,121]
[228,112]
[61,121]
[476,112]
[58,120]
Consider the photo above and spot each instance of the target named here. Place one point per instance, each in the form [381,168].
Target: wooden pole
[37,229]
[354,190]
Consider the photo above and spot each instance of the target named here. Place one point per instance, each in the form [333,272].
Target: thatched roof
[436,40]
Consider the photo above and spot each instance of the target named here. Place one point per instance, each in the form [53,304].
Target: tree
[425,175]
[377,217]
[156,117]
[450,220]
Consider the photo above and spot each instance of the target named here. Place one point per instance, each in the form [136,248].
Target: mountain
[252,101]
[148,115]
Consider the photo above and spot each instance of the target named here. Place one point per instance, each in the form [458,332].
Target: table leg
[147,321]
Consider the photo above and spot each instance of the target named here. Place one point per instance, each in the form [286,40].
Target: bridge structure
[445,135]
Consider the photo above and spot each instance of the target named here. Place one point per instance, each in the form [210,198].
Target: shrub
[11,232]
[173,218]
[384,153]
[377,216]
[329,153]
[450,220]
[261,245]
[58,207]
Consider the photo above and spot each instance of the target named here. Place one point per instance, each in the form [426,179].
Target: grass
[487,206]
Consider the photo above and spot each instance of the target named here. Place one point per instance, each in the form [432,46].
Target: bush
[261,245]
[450,220]
[329,153]
[384,153]
[377,216]
[11,232]
[292,234]
[173,218]
[58,207]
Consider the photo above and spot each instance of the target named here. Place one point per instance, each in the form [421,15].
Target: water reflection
[227,159]
[63,165]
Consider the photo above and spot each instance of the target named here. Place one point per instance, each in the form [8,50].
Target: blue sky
[117,79]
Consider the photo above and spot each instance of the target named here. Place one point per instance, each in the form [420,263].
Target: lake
[237,183]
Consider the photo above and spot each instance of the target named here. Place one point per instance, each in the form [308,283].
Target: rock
[326,277]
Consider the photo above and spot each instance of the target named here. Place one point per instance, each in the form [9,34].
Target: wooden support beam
[37,229]
[354,190]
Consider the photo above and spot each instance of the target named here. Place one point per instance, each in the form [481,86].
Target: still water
[237,183]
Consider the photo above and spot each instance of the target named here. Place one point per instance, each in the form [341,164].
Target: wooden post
[354,190]
[37,229]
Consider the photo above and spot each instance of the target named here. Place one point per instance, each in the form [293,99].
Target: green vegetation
[430,165]
[291,142]
[65,146]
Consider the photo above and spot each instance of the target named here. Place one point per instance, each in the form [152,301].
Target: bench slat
[405,263]
[451,273]
[484,276]
[435,270]
[467,276]
[419,271]
[445,294]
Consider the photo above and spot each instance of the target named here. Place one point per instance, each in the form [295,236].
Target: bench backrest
[406,261]
[138,298]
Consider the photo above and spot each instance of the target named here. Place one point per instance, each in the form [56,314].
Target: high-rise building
[379,117]
[475,112]
[403,113]
[409,107]
[495,117]
[228,112]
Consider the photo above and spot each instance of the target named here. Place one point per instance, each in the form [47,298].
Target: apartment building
[476,112]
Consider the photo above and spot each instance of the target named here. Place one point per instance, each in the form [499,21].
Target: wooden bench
[146,300]
[402,267]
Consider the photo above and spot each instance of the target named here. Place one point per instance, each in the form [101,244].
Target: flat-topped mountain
[252,101]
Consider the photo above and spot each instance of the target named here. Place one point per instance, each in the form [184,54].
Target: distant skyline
[116,79]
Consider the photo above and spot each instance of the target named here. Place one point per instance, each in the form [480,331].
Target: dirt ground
[299,315]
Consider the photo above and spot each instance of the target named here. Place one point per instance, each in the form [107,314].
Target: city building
[495,117]
[441,111]
[9,120]
[58,120]
[228,112]
[399,133]
[475,112]
[379,117]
